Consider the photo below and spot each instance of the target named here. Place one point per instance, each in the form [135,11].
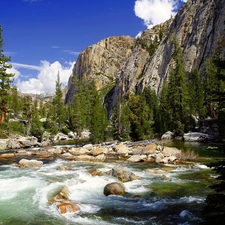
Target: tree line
[136,117]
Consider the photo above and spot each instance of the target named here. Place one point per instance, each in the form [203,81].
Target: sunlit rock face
[125,65]
[101,62]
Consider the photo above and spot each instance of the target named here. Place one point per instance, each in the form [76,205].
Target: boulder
[171,151]
[168,135]
[137,158]
[156,171]
[30,163]
[84,158]
[97,151]
[3,144]
[114,188]
[7,155]
[68,207]
[123,174]
[100,158]
[79,151]
[95,172]
[122,150]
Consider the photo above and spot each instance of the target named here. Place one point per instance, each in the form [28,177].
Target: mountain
[129,64]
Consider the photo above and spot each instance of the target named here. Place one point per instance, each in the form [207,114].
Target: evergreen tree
[141,118]
[98,120]
[196,98]
[164,116]
[152,102]
[58,105]
[121,121]
[5,78]
[177,93]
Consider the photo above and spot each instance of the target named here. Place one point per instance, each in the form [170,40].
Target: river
[175,197]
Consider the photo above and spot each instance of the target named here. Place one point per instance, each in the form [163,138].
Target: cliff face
[101,62]
[198,27]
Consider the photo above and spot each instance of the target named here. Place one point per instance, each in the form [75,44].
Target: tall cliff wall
[198,27]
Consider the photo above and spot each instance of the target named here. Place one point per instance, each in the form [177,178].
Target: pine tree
[5,78]
[58,105]
[177,93]
[196,97]
[98,119]
[141,118]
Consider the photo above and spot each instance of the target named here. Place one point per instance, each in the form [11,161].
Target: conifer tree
[196,98]
[177,93]
[141,118]
[98,119]
[5,78]
[58,104]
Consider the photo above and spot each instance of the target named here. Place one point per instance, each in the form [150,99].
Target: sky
[44,37]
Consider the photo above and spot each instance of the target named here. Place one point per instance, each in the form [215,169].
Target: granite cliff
[129,64]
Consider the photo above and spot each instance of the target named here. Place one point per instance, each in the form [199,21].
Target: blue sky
[44,37]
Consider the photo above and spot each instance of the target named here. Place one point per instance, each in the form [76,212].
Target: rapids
[174,197]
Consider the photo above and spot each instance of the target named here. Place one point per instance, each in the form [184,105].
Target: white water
[25,194]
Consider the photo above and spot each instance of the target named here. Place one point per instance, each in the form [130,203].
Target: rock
[122,150]
[30,163]
[63,168]
[199,137]
[114,188]
[123,174]
[79,151]
[146,150]
[84,158]
[171,151]
[88,146]
[95,172]
[68,155]
[168,135]
[137,158]
[156,171]
[97,151]
[7,155]
[68,207]
[100,158]
[62,194]
[3,144]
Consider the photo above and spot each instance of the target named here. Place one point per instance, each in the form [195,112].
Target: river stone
[156,171]
[7,155]
[97,151]
[171,151]
[122,150]
[95,172]
[100,158]
[137,158]
[114,188]
[79,151]
[30,163]
[123,174]
[68,207]
[84,158]
[168,135]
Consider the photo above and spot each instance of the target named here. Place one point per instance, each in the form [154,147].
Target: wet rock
[63,168]
[30,163]
[156,171]
[95,172]
[68,207]
[84,158]
[114,188]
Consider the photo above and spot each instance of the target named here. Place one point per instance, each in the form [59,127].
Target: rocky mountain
[132,64]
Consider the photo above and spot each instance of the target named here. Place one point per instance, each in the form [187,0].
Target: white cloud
[15,72]
[71,52]
[154,12]
[46,78]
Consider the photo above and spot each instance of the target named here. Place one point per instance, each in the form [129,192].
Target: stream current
[175,197]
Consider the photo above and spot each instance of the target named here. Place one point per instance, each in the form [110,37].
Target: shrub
[188,155]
